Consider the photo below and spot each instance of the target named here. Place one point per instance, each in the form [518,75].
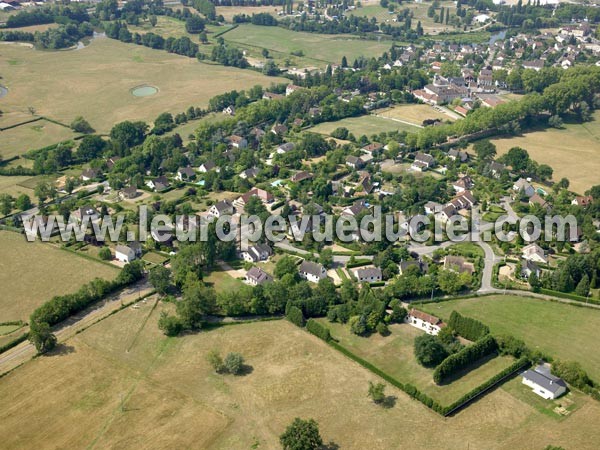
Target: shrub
[170,325]
[377,392]
[105,254]
[463,358]
[382,329]
[468,328]
[321,331]
[429,351]
[295,316]
[233,363]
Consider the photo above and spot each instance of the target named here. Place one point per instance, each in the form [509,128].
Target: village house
[455,154]
[86,212]
[368,274]
[158,184]
[272,96]
[229,111]
[222,208]
[464,200]
[257,252]
[522,185]
[535,253]
[404,266]
[425,322]
[312,271]
[124,254]
[423,161]
[237,141]
[458,264]
[207,167]
[537,199]
[358,207]
[89,174]
[129,193]
[249,173]
[185,174]
[354,162]
[497,169]
[301,176]
[583,201]
[463,184]
[529,267]
[285,147]
[544,383]
[291,88]
[256,276]
[265,197]
[279,129]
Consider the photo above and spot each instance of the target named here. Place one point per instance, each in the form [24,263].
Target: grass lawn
[414,114]
[32,273]
[561,330]
[563,150]
[367,125]
[319,49]
[467,248]
[102,75]
[154,258]
[123,384]
[394,355]
[31,136]
[222,281]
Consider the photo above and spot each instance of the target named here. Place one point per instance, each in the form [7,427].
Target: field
[413,114]
[34,135]
[229,11]
[102,74]
[120,384]
[319,49]
[222,281]
[367,125]
[563,331]
[394,355]
[564,150]
[33,272]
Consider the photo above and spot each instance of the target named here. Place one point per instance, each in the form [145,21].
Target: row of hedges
[467,327]
[569,296]
[14,342]
[61,307]
[358,263]
[464,358]
[321,331]
[294,315]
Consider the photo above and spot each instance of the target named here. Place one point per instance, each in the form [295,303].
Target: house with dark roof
[543,383]
[354,162]
[257,252]
[221,208]
[458,264]
[185,174]
[301,176]
[423,161]
[256,276]
[312,271]
[249,173]
[368,274]
[358,207]
[158,184]
[89,174]
[463,184]
[129,192]
[285,147]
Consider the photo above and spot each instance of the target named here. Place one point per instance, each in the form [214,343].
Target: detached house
[222,208]
[256,276]
[185,174]
[354,162]
[535,253]
[265,197]
[257,252]
[458,264]
[158,184]
[425,322]
[124,254]
[423,161]
[89,174]
[522,185]
[237,141]
[544,383]
[368,274]
[463,184]
[311,271]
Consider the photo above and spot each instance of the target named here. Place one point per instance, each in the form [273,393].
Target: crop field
[564,150]
[367,125]
[96,82]
[318,49]
[561,330]
[123,384]
[414,114]
[394,355]
[33,272]
[30,136]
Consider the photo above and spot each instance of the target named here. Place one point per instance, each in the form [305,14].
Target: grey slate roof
[542,377]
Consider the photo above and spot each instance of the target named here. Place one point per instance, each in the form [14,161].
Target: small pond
[144,90]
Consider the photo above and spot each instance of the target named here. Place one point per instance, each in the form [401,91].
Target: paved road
[25,350]
[489,261]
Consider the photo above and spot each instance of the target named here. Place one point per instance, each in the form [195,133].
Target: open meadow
[33,272]
[561,330]
[96,82]
[367,125]
[318,49]
[121,383]
[564,150]
[414,113]
[30,136]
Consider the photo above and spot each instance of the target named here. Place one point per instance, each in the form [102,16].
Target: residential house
[257,252]
[89,174]
[249,173]
[158,184]
[354,162]
[272,96]
[535,253]
[458,264]
[463,184]
[464,200]
[124,254]
[301,176]
[285,147]
[229,110]
[265,197]
[358,207]
[423,161]
[544,383]
[256,276]
[522,185]
[433,207]
[87,212]
[373,149]
[536,65]
[537,199]
[497,169]
[422,267]
[312,271]
[185,174]
[368,274]
[207,167]
[291,88]
[129,193]
[529,267]
[279,129]
[583,201]
[221,208]
[455,154]
[425,322]
[237,141]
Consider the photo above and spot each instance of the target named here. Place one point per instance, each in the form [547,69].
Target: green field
[222,281]
[96,82]
[318,49]
[121,384]
[33,272]
[563,331]
[564,150]
[30,136]
[394,355]
[367,125]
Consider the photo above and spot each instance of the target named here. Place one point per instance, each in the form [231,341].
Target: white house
[523,185]
[423,321]
[257,252]
[222,208]
[124,254]
[312,271]
[544,383]
[185,174]
[535,253]
[368,274]
[256,276]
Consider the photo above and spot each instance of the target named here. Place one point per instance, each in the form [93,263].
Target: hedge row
[14,342]
[468,328]
[569,296]
[358,263]
[464,358]
[294,315]
[321,331]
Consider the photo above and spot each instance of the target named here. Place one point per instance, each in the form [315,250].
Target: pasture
[229,11]
[318,49]
[367,125]
[123,384]
[33,272]
[564,150]
[394,354]
[96,82]
[30,136]
[413,114]
[561,330]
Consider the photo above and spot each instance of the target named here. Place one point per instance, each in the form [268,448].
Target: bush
[233,363]
[81,125]
[572,373]
[321,331]
[295,316]
[382,329]
[105,254]
[429,351]
[170,325]
[377,392]
[464,358]
[468,328]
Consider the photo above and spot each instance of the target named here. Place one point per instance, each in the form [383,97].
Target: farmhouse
[423,321]
[368,274]
[124,254]
[312,271]
[256,276]
[544,383]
